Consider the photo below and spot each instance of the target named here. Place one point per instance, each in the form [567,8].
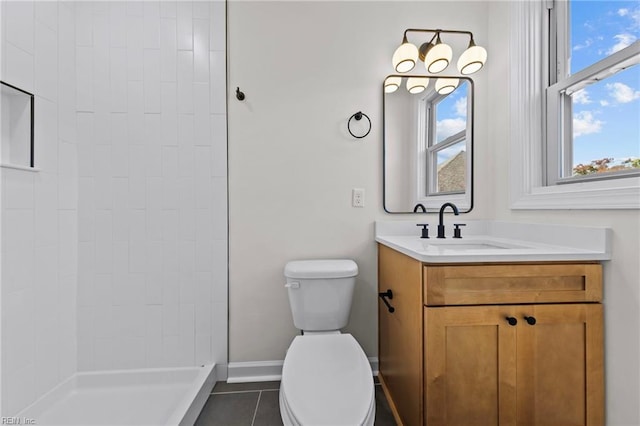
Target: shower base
[171,396]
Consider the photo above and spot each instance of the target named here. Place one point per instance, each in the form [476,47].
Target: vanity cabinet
[498,344]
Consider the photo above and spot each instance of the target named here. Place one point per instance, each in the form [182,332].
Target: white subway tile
[203,317]
[185,130]
[169,162]
[187,335]
[120,224]
[187,193]
[46,62]
[19,24]
[68,242]
[204,286]
[219,145]
[168,9]
[185,81]
[219,209]
[201,9]
[66,123]
[86,272]
[120,161]
[102,128]
[46,135]
[172,351]
[218,83]
[186,161]
[154,194]
[120,261]
[47,14]
[137,192]
[170,195]
[187,285]
[202,125]
[117,24]
[135,31]
[138,225]
[85,160]
[187,263]
[171,319]
[19,67]
[120,193]
[86,224]
[103,322]
[137,256]
[169,97]
[103,289]
[102,161]
[204,255]
[169,129]
[104,256]
[168,49]
[170,224]
[203,349]
[153,352]
[118,92]
[188,226]
[185,25]
[101,29]
[85,354]
[17,189]
[151,36]
[104,226]
[153,321]
[84,78]
[203,166]
[84,24]
[220,271]
[218,30]
[201,50]
[103,354]
[135,8]
[219,336]
[152,99]
[201,94]
[21,381]
[135,63]
[153,163]
[135,134]
[204,198]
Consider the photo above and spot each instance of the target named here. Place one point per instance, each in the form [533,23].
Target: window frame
[530,133]
[426,151]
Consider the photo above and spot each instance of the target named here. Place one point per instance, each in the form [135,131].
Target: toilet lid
[327,380]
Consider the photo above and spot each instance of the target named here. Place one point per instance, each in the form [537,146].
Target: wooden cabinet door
[400,333]
[470,366]
[560,365]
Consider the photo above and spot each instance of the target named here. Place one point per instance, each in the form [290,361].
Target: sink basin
[464,245]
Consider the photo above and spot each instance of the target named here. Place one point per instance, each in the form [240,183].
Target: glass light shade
[438,58]
[391,84]
[444,86]
[472,59]
[405,57]
[417,85]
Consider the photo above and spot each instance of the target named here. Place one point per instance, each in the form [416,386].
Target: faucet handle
[425,231]
[457,232]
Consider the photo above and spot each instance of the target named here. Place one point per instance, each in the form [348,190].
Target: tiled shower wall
[151,130]
[114,254]
[39,209]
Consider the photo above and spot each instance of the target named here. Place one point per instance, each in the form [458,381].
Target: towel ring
[358,116]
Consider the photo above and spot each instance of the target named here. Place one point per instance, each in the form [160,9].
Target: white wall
[621,274]
[151,129]
[305,68]
[39,210]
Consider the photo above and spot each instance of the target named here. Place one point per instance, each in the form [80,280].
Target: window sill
[18,167]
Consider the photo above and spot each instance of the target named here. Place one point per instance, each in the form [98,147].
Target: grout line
[256,410]
[232,392]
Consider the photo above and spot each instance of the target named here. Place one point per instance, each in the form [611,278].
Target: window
[552,130]
[444,147]
[593,100]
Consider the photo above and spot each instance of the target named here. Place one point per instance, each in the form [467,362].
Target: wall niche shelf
[17,114]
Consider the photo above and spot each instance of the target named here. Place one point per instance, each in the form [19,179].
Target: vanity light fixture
[417,85]
[437,55]
[444,86]
[392,83]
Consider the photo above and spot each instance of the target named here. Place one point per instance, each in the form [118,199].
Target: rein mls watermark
[17,421]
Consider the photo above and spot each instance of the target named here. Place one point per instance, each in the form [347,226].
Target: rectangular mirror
[428,143]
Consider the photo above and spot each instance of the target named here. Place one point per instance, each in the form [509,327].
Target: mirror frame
[470,116]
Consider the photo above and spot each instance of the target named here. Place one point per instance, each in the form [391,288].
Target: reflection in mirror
[428,141]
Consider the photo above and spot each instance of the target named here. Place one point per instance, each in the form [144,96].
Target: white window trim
[527,190]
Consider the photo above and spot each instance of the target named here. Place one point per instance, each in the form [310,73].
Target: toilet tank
[320,292]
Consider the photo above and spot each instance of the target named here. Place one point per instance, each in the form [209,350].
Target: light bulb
[417,85]
[391,84]
[444,86]
[405,57]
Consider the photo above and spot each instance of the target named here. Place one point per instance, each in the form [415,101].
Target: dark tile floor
[257,404]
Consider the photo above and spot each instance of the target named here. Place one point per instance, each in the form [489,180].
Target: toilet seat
[327,381]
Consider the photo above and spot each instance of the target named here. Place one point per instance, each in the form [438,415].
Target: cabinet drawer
[512,283]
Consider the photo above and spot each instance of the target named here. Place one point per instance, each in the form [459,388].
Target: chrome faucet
[441,218]
[419,206]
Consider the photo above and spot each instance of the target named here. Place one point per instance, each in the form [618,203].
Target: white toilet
[326,376]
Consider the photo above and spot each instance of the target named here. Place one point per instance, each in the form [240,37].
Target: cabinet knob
[530,320]
[511,320]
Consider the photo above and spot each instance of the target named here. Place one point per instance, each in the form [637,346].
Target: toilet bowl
[326,376]
[326,381]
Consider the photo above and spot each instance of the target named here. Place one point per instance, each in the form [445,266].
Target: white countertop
[494,241]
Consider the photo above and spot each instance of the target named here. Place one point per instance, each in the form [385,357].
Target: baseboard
[264,371]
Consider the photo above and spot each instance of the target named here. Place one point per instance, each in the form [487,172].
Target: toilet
[326,376]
